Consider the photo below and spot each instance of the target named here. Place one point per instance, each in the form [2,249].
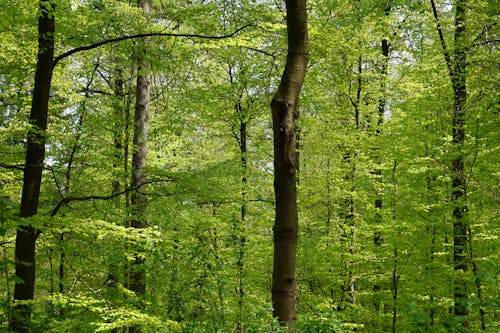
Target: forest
[235,166]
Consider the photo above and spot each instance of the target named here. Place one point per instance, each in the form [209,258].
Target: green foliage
[207,268]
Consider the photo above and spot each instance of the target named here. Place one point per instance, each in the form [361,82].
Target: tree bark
[284,112]
[139,160]
[35,153]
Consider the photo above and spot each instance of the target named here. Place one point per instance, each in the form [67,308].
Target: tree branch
[67,200]
[487,42]
[151,34]
[258,50]
[9,166]
[446,53]
[484,31]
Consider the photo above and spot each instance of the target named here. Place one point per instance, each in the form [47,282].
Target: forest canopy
[249,166]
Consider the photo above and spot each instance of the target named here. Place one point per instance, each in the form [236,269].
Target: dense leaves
[207,250]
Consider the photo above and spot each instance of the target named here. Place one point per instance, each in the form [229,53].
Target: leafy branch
[10,166]
[439,29]
[143,35]
[66,200]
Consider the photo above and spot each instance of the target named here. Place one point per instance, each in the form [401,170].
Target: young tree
[284,112]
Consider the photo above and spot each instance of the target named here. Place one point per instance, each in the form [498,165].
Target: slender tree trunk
[35,153]
[395,273]
[432,251]
[458,196]
[385,48]
[349,211]
[378,238]
[284,111]
[243,219]
[474,267]
[62,258]
[139,157]
[118,155]
[118,119]
[348,229]
[473,262]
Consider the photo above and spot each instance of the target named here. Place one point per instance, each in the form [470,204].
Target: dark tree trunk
[284,111]
[457,66]
[385,48]
[458,195]
[35,153]
[241,230]
[378,238]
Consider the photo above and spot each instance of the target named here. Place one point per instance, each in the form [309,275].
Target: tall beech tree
[139,160]
[284,107]
[382,101]
[27,233]
[456,61]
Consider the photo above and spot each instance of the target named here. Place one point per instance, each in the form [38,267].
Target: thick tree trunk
[284,111]
[457,66]
[35,153]
[139,157]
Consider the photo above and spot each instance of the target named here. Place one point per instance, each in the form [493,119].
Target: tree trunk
[35,153]
[378,237]
[458,198]
[284,111]
[385,48]
[241,230]
[395,273]
[457,64]
[139,157]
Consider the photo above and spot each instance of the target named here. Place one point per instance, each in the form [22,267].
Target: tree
[284,107]
[139,160]
[35,153]
[456,62]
